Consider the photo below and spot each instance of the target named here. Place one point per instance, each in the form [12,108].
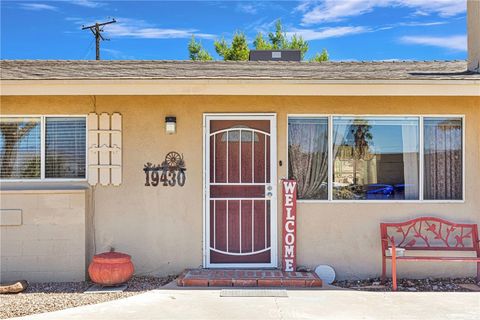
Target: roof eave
[247,87]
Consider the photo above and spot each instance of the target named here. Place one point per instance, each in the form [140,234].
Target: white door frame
[272,117]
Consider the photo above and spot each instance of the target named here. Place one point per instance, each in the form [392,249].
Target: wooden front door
[240,191]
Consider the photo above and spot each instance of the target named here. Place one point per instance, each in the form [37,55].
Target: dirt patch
[414,285]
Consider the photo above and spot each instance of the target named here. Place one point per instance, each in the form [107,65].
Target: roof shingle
[249,70]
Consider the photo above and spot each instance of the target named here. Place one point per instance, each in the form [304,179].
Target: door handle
[269,192]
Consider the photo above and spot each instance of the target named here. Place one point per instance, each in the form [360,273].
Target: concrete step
[247,278]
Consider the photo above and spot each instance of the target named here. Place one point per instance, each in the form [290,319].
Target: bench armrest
[389,242]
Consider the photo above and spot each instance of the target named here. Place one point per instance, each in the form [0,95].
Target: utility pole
[97,30]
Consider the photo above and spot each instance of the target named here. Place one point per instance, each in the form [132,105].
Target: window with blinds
[61,156]
[20,148]
[65,153]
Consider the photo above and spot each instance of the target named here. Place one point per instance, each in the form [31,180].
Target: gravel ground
[52,296]
[428,284]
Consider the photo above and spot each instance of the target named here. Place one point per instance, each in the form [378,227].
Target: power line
[97,30]
[89,49]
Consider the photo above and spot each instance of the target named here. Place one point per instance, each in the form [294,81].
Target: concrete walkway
[300,304]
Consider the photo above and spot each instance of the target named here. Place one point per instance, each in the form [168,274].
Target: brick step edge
[271,282]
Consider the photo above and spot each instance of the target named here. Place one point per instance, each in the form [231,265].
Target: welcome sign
[289,256]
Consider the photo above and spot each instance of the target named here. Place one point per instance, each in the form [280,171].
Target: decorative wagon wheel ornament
[170,172]
[173,159]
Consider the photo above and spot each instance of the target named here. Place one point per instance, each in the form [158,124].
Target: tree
[362,138]
[278,40]
[196,51]
[298,43]
[320,57]
[237,51]
[260,43]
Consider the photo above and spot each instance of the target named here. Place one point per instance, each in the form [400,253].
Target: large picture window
[376,158]
[42,148]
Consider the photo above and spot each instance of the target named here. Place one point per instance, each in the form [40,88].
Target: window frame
[43,118]
[421,172]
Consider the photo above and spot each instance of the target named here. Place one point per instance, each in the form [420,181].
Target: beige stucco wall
[43,238]
[162,227]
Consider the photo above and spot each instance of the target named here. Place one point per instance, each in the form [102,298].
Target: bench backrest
[430,233]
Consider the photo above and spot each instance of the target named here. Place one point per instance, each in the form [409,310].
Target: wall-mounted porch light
[170,125]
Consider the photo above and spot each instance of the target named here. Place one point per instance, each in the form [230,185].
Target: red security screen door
[240,191]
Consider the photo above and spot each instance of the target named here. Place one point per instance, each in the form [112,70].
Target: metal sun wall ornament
[170,173]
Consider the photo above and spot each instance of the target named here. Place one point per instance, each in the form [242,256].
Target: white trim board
[273,181]
[276,87]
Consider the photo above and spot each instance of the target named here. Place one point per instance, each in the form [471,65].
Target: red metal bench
[427,234]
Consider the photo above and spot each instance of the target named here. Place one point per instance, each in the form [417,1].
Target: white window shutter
[116,149]
[104,153]
[92,149]
[105,149]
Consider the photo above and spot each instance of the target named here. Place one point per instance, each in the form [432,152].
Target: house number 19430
[170,173]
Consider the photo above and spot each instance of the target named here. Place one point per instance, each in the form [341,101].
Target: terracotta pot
[111,268]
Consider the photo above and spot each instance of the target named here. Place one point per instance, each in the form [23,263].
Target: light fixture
[170,125]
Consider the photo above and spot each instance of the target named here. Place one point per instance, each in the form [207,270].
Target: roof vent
[275,55]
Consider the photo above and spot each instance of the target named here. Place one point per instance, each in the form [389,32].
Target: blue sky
[348,29]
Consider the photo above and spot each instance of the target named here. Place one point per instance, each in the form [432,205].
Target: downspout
[473,30]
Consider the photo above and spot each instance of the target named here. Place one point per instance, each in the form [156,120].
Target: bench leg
[394,271]
[394,277]
[384,270]
[478,272]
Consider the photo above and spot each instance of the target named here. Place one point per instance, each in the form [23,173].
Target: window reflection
[19,148]
[375,158]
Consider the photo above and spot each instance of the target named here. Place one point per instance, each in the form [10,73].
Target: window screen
[65,147]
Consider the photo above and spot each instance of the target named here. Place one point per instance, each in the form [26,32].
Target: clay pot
[111,268]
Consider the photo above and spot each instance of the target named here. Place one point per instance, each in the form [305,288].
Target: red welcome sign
[289,226]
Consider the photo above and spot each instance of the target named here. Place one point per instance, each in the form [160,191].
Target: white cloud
[457,43]
[412,24]
[336,10]
[423,24]
[37,6]
[445,8]
[331,10]
[140,29]
[88,3]
[262,26]
[324,33]
[248,7]
[74,19]
[135,28]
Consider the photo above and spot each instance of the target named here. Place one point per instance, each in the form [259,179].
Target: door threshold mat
[254,293]
[96,288]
